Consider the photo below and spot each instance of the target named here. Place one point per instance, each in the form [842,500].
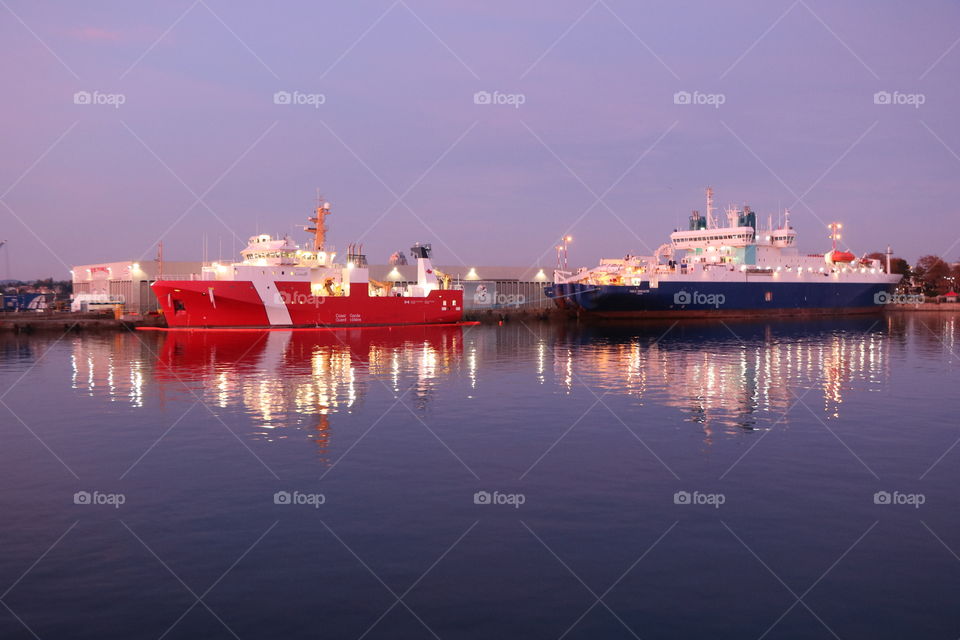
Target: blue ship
[736,269]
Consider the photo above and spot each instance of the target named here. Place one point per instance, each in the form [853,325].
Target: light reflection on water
[726,377]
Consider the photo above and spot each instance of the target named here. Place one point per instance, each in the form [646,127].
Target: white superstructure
[738,251]
[267,260]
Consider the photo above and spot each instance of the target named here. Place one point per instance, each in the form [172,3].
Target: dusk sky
[588,140]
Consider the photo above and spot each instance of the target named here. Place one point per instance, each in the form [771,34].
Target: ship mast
[319,220]
[711,224]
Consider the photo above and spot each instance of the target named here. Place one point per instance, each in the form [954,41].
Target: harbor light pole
[562,252]
[835,233]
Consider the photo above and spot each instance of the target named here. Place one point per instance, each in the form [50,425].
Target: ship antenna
[710,209]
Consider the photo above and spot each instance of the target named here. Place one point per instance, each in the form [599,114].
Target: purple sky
[485,183]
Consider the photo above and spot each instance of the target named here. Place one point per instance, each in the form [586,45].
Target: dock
[66,322]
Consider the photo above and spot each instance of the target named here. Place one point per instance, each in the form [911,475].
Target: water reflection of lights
[114,369]
[302,381]
[428,362]
[541,359]
[565,361]
[729,384]
[472,366]
[283,380]
[136,384]
[223,390]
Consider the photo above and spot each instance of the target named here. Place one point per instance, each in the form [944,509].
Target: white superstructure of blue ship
[732,269]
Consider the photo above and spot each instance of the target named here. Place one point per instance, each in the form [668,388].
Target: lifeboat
[834,257]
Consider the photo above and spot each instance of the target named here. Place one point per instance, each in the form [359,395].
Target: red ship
[278,284]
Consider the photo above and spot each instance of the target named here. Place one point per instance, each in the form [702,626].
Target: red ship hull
[228,303]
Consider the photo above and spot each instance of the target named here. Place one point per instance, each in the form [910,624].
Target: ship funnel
[421,250]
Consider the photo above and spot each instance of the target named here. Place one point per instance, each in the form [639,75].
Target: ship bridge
[703,238]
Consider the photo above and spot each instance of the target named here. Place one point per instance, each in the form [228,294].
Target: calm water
[663,482]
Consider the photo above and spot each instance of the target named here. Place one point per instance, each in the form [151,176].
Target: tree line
[931,275]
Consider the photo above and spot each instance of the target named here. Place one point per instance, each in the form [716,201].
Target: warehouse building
[125,283]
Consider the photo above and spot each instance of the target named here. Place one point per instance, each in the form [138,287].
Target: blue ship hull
[714,299]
